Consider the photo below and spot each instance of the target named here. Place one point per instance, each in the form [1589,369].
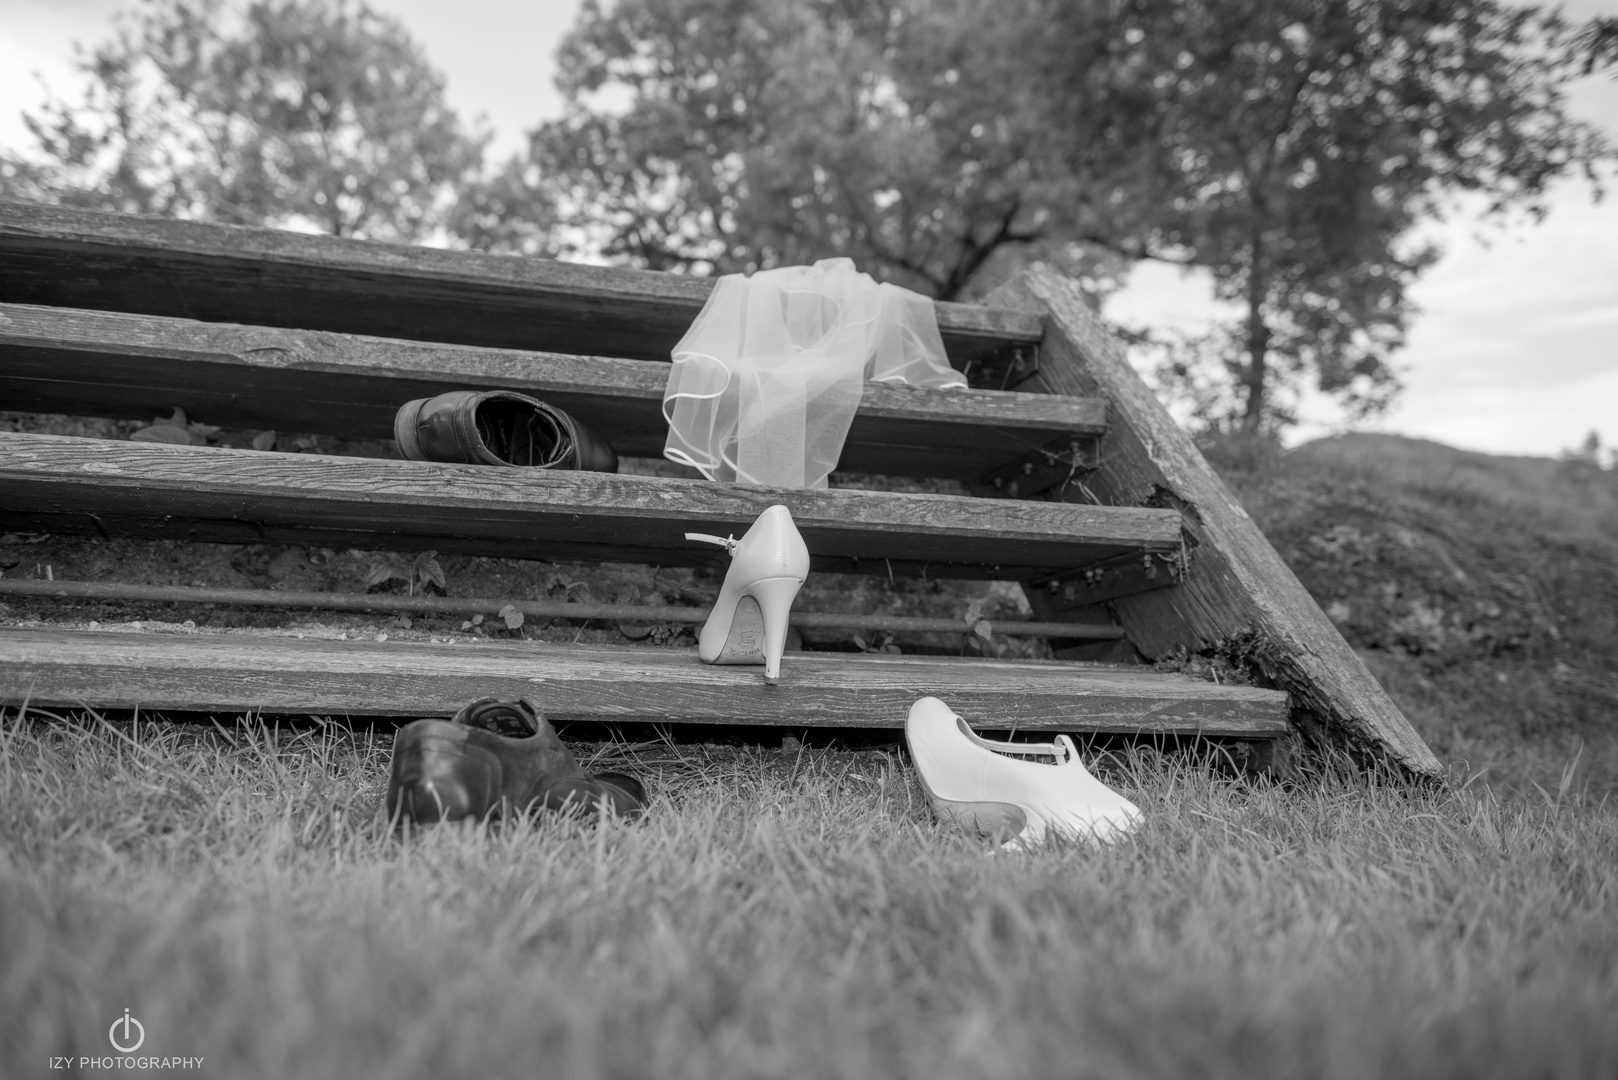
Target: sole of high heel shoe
[745,644]
[748,643]
[988,818]
[993,820]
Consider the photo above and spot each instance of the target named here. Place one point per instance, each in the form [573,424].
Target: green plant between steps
[423,572]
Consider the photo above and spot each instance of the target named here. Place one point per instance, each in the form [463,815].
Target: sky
[1514,351]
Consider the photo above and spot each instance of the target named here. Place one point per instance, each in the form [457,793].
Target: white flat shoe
[748,623]
[971,782]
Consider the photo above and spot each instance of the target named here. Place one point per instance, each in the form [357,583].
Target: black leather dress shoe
[498,427]
[494,758]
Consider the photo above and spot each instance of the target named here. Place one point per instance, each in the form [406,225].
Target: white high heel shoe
[971,782]
[748,624]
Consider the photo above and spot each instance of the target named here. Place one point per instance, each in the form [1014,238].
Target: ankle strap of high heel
[1062,749]
[727,542]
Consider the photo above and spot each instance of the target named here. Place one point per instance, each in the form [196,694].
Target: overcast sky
[1515,350]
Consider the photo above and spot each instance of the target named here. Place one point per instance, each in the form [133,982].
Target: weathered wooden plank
[96,363]
[249,672]
[1239,594]
[204,493]
[220,273]
[198,596]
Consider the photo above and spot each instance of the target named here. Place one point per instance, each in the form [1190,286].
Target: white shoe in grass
[972,782]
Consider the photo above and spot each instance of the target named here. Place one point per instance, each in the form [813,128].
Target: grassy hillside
[1482,590]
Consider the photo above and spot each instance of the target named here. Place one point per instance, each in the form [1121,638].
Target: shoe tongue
[503,718]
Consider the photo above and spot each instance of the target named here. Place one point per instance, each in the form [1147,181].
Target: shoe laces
[514,719]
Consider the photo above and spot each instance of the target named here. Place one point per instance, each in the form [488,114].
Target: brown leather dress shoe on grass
[498,427]
[495,758]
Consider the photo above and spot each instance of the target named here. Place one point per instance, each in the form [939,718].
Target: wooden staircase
[1083,490]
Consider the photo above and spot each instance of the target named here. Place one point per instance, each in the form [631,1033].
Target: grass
[787,914]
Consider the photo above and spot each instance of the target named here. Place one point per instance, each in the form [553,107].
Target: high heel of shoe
[971,781]
[774,597]
[748,623]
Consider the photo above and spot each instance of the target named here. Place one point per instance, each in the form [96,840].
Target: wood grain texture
[221,273]
[1239,595]
[246,672]
[187,492]
[134,366]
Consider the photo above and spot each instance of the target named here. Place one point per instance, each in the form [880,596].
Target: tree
[312,113]
[1302,141]
[1599,43]
[721,135]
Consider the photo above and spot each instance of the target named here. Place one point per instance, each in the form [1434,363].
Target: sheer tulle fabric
[766,381]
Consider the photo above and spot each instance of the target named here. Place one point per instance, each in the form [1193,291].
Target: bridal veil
[766,381]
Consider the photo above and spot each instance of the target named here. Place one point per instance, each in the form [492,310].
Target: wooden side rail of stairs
[1082,489]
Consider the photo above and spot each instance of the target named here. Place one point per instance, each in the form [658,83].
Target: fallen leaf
[163,433]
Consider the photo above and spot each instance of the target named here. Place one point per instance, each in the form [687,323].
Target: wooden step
[248,672]
[221,273]
[60,484]
[94,363]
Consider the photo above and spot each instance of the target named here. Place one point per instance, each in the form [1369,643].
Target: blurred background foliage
[1289,147]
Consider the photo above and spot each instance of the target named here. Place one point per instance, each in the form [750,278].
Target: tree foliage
[1301,143]
[724,135]
[313,113]
[1599,43]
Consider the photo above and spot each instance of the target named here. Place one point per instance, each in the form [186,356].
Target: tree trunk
[1258,340]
